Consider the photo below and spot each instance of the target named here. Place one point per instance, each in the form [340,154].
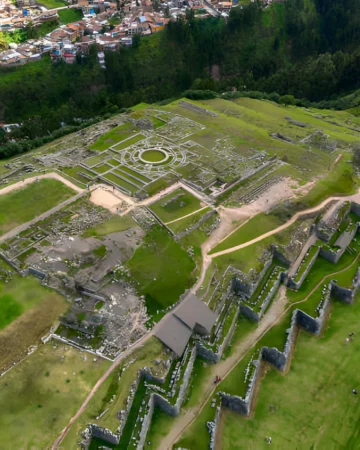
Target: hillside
[308,49]
[207,197]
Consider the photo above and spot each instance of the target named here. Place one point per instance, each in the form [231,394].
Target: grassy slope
[161,268]
[42,393]
[68,15]
[33,309]
[113,136]
[313,403]
[256,226]
[25,204]
[18,296]
[113,225]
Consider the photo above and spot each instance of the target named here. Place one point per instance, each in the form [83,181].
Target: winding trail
[274,314]
[295,217]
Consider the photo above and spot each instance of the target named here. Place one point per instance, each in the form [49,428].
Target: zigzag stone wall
[292,284]
[275,357]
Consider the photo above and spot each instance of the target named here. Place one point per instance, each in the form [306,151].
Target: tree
[287,100]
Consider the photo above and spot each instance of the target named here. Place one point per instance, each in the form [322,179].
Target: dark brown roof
[193,311]
[174,334]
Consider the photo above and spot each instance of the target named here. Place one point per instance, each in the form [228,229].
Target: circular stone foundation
[154,156]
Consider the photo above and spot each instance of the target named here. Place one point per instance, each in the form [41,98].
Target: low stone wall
[249,313]
[330,255]
[278,255]
[11,264]
[346,295]
[103,433]
[229,335]
[214,431]
[292,284]
[206,353]
[355,208]
[252,315]
[196,225]
[146,423]
[343,294]
[271,294]
[334,256]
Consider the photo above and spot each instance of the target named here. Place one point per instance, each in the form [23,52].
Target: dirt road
[295,217]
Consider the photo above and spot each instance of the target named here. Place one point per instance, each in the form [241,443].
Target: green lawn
[25,204]
[175,205]
[68,15]
[43,392]
[100,251]
[19,295]
[256,226]
[51,4]
[161,269]
[113,136]
[187,222]
[113,225]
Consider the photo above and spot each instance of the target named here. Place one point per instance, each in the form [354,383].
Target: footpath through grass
[42,393]
[25,204]
[256,226]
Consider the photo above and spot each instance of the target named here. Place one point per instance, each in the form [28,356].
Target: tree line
[306,49]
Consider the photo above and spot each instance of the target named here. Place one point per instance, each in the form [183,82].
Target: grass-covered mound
[161,269]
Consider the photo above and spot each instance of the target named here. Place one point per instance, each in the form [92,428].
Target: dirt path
[295,217]
[187,215]
[115,364]
[53,175]
[276,312]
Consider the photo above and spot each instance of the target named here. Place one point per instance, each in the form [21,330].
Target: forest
[306,49]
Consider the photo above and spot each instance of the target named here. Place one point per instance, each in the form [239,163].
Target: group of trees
[308,49]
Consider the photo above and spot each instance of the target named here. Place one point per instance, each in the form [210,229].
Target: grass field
[177,204]
[27,311]
[113,225]
[313,405]
[183,224]
[24,204]
[68,15]
[256,226]
[161,269]
[50,4]
[43,392]
[113,136]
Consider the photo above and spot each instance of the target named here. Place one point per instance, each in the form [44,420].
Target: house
[107,42]
[12,57]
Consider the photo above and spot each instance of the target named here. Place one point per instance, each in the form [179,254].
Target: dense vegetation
[304,48]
